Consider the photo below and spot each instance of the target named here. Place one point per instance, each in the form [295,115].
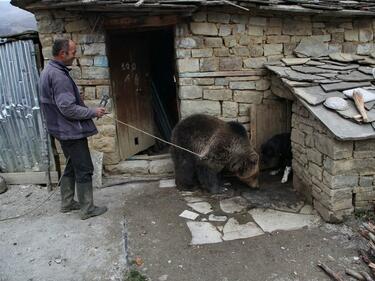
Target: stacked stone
[221,40]
[337,176]
[231,41]
[150,167]
[228,43]
[90,71]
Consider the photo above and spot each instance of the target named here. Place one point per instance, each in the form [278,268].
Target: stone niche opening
[269,119]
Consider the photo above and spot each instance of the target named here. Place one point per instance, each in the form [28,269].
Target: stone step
[143,166]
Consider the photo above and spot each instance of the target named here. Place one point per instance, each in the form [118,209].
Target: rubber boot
[86,200]
[67,187]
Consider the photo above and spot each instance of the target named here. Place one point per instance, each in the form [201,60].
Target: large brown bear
[222,145]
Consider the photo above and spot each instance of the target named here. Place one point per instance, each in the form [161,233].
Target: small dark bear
[222,145]
[278,149]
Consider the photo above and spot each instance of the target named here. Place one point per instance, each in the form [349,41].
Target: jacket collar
[59,65]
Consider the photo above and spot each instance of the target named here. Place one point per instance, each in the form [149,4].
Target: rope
[155,137]
[126,124]
[38,206]
[30,211]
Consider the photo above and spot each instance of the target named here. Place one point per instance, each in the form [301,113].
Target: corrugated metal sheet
[23,140]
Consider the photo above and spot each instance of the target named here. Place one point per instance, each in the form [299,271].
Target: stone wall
[228,43]
[219,58]
[90,70]
[338,177]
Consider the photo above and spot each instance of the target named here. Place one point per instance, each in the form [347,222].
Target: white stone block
[203,233]
[201,207]
[271,220]
[233,230]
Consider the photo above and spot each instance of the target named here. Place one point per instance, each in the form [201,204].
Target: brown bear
[221,145]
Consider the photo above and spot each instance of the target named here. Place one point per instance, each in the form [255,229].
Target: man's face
[71,54]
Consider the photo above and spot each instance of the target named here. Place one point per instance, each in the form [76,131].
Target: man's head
[64,50]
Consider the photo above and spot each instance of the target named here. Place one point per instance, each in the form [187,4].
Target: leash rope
[155,137]
[40,205]
[58,184]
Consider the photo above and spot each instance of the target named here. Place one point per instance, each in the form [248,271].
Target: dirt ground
[142,230]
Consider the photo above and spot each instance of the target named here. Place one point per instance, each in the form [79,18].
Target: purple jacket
[66,115]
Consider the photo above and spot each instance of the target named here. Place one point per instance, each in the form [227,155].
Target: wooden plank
[131,86]
[268,120]
[223,73]
[253,124]
[132,22]
[94,82]
[29,177]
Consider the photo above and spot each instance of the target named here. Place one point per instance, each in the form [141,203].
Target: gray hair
[58,45]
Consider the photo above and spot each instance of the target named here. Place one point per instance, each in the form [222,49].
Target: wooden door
[268,120]
[131,85]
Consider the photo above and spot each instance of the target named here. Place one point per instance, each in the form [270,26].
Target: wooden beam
[93,82]
[136,22]
[29,177]
[223,73]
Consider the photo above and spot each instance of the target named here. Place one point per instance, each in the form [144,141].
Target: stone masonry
[90,70]
[219,56]
[226,44]
[338,177]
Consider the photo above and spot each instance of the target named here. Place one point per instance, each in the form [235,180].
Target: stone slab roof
[331,7]
[313,79]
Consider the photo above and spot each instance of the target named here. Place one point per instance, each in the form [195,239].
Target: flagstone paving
[245,213]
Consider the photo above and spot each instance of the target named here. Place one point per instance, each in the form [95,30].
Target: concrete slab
[203,233]
[49,245]
[213,217]
[272,220]
[201,207]
[193,199]
[167,183]
[189,215]
[233,230]
[233,205]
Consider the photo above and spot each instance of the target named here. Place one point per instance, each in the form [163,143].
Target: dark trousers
[79,165]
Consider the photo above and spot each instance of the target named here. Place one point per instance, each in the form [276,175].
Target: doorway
[142,69]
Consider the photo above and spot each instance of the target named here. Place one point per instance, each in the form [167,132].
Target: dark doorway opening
[142,66]
[164,98]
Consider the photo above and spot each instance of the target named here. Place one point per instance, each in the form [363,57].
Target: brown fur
[223,145]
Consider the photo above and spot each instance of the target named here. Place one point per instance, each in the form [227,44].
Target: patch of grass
[135,275]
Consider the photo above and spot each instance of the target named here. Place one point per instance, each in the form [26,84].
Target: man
[70,122]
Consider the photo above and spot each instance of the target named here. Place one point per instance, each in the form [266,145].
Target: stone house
[210,56]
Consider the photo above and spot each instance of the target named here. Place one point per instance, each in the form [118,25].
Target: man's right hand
[99,112]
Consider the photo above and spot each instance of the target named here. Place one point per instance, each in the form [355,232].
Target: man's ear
[61,53]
